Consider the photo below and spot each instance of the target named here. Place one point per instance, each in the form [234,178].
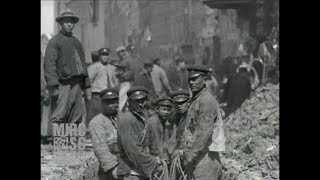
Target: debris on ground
[252,138]
[60,165]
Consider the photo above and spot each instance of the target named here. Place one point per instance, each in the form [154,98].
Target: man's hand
[114,172]
[158,170]
[46,96]
[176,153]
[54,90]
[88,94]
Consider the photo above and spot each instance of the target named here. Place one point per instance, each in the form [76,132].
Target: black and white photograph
[160,89]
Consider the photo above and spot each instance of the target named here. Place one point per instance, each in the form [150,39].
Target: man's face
[122,54]
[110,106]
[148,69]
[104,58]
[197,83]
[182,106]
[138,104]
[163,112]
[67,24]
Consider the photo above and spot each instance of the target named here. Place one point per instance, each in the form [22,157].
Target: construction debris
[60,165]
[252,132]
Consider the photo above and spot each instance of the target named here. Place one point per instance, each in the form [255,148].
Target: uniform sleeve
[203,131]
[153,143]
[134,150]
[83,59]
[49,64]
[99,141]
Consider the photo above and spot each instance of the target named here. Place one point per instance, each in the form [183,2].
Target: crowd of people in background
[148,120]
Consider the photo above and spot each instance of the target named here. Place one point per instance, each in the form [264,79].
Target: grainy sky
[47,16]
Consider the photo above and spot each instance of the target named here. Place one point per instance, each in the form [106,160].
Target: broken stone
[257,118]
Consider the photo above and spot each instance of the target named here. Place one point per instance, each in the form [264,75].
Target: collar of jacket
[139,116]
[69,34]
[197,94]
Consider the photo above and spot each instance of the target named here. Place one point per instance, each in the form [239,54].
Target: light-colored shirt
[100,75]
[159,80]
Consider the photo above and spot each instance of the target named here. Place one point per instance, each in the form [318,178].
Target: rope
[176,165]
[165,172]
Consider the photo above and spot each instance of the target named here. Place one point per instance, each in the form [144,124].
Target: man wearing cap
[103,129]
[138,149]
[178,74]
[65,72]
[178,117]
[102,76]
[161,125]
[144,79]
[159,79]
[203,137]
[126,77]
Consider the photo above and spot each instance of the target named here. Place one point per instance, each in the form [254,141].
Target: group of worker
[134,144]
[137,132]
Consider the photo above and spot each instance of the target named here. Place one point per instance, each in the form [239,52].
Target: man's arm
[153,141]
[99,141]
[92,72]
[203,131]
[165,81]
[134,150]
[49,65]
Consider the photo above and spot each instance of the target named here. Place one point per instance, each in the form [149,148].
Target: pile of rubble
[60,165]
[252,133]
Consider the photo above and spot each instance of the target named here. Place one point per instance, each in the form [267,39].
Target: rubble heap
[60,165]
[252,138]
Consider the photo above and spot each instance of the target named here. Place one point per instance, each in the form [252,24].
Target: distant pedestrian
[127,77]
[102,76]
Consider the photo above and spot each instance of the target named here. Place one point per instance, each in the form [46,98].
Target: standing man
[102,76]
[103,129]
[65,72]
[138,149]
[144,79]
[121,72]
[159,79]
[178,74]
[126,79]
[203,137]
[161,125]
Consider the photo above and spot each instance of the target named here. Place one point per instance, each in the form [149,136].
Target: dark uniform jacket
[64,59]
[162,132]
[203,137]
[138,150]
[178,120]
